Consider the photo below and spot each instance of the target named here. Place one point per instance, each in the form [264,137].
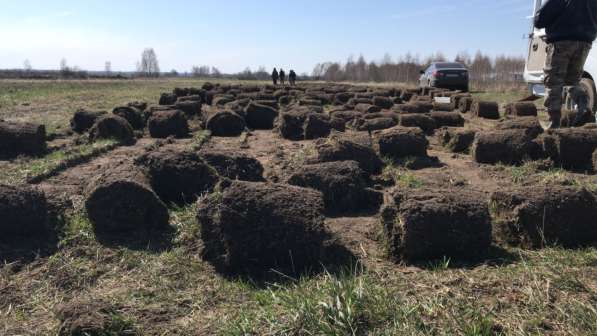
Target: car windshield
[449,66]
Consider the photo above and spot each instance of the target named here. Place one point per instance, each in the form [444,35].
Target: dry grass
[24,169]
[171,291]
[52,102]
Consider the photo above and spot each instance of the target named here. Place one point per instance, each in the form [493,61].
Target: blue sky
[235,34]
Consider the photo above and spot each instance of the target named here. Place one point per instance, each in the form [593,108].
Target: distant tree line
[206,71]
[406,69]
[484,70]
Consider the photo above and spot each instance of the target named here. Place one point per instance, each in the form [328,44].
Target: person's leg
[573,77]
[556,67]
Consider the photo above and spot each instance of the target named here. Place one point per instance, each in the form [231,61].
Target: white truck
[537,54]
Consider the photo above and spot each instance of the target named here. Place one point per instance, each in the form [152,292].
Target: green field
[172,291]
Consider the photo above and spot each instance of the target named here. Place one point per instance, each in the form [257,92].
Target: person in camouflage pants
[570,29]
[564,67]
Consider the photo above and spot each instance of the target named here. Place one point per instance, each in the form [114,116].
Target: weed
[401,177]
[440,265]
[200,138]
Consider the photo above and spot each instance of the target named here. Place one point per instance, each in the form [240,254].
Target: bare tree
[261,73]
[481,68]
[65,70]
[463,57]
[63,64]
[484,70]
[27,66]
[108,68]
[215,72]
[201,71]
[246,74]
[149,65]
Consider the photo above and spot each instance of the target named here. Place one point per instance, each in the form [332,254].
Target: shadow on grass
[495,256]
[419,162]
[154,241]
[23,249]
[334,260]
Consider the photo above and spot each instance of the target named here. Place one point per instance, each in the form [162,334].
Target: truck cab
[537,54]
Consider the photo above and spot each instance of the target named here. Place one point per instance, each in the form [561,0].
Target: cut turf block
[112,127]
[521,109]
[511,146]
[538,216]
[83,120]
[343,184]
[374,124]
[18,138]
[224,123]
[452,119]
[259,116]
[121,200]
[485,109]
[383,102]
[233,164]
[23,212]
[433,224]
[465,103]
[163,124]
[423,121]
[343,149]
[399,142]
[456,139]
[178,177]
[571,148]
[253,227]
[133,115]
[530,124]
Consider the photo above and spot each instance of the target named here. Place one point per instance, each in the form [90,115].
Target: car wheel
[589,86]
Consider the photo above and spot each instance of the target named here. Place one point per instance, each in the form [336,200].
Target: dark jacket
[568,20]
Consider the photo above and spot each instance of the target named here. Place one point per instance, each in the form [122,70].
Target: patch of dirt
[277,155]
[71,183]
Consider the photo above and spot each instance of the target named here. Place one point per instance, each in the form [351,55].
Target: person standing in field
[275,77]
[292,78]
[282,76]
[571,28]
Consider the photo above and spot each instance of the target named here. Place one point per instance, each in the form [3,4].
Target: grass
[401,176]
[502,95]
[52,102]
[529,298]
[22,169]
[532,172]
[200,138]
[172,291]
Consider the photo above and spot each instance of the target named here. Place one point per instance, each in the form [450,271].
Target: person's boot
[554,121]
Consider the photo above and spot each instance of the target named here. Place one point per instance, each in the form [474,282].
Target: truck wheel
[589,87]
